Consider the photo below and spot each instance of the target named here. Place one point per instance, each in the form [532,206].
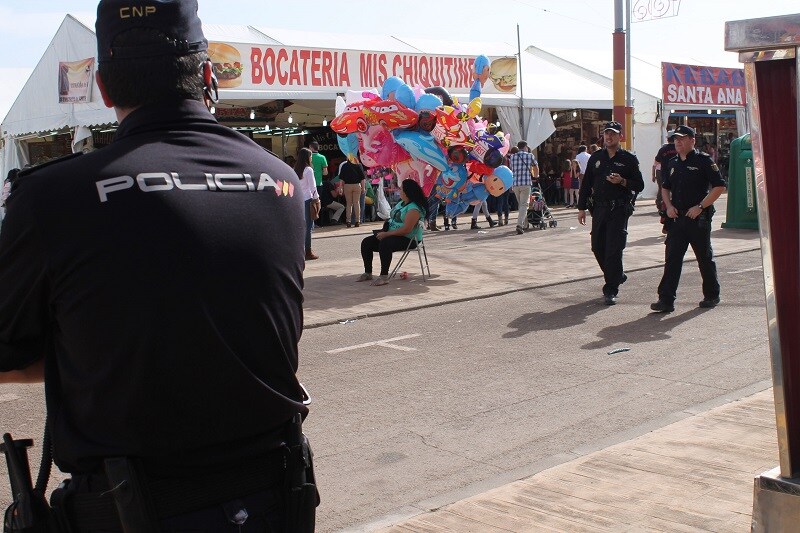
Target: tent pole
[628,99]
[521,100]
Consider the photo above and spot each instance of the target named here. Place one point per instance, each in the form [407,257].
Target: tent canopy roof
[543,84]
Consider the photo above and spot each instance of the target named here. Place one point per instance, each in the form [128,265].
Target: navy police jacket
[689,180]
[600,166]
[161,279]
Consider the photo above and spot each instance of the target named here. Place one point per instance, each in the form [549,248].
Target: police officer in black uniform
[155,286]
[691,184]
[609,189]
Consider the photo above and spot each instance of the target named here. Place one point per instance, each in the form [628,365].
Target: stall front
[280,91]
[712,100]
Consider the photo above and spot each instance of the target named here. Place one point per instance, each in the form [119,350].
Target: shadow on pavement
[562,318]
[321,291]
[733,234]
[647,241]
[504,233]
[651,327]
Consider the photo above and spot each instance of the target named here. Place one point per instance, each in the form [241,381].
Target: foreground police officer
[155,285]
[691,184]
[609,188]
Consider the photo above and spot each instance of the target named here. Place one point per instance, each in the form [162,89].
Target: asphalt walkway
[693,475]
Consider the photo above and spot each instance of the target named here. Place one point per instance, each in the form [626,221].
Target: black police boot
[708,303]
[662,307]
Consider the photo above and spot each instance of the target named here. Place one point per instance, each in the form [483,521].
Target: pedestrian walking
[609,189]
[691,184]
[524,167]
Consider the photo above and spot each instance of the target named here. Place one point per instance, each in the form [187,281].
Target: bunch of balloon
[426,135]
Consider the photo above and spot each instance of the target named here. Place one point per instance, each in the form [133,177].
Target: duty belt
[611,203]
[173,497]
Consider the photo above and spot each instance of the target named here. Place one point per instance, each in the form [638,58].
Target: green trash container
[742,208]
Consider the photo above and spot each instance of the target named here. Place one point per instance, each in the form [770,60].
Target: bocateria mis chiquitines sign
[245,66]
[703,86]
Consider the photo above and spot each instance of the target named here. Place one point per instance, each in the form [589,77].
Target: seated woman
[397,232]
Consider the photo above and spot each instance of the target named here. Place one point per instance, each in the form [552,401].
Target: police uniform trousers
[609,236]
[682,232]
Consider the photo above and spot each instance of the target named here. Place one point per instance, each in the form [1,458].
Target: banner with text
[703,86]
[274,67]
[75,80]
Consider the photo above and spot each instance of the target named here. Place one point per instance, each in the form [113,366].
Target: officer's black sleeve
[23,283]
[586,184]
[713,175]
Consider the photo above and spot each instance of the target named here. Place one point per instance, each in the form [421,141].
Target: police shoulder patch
[30,170]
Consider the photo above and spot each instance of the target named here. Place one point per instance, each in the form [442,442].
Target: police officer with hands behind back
[609,188]
[691,184]
[155,286]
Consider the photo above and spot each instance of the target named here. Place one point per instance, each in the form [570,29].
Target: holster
[302,497]
[132,498]
[29,511]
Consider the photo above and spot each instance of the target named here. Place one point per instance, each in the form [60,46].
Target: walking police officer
[691,184]
[609,188]
[155,285]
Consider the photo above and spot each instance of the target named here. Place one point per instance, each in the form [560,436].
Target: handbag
[314,208]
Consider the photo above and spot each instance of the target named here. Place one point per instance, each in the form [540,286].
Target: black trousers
[682,232]
[385,247]
[609,236]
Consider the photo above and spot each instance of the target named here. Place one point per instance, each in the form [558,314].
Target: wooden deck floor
[693,475]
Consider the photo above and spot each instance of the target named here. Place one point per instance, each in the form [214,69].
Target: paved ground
[469,265]
[693,475]
[484,263]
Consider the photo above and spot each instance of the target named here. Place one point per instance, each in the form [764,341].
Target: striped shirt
[521,164]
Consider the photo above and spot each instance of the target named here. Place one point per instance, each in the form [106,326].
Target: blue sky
[696,35]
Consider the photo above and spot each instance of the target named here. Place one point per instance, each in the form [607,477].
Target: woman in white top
[305,172]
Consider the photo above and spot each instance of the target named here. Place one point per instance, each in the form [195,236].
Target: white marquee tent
[546,86]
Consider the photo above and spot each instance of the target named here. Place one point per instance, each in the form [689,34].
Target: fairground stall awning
[272,76]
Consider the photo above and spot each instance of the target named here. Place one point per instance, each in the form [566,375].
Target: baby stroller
[539,215]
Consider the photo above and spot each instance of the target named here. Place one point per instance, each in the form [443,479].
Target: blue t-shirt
[397,218]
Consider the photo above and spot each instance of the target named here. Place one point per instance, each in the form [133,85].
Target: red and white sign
[693,85]
[303,69]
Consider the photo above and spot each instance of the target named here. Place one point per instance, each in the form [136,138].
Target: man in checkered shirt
[524,167]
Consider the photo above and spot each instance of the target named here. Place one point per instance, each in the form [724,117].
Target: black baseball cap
[616,127]
[683,131]
[177,19]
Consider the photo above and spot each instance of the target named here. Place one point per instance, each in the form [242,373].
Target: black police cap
[614,126]
[683,131]
[177,19]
